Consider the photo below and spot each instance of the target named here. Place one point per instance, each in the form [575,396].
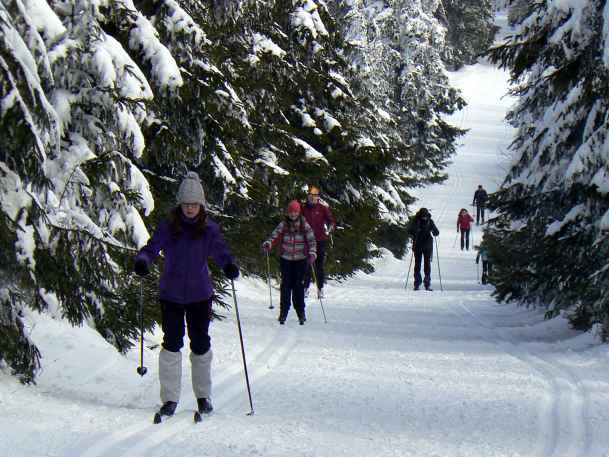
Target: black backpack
[422,230]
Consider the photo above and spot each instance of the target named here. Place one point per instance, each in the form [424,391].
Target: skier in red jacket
[321,220]
[464,225]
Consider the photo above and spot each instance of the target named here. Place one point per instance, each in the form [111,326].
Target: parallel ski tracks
[565,429]
[138,439]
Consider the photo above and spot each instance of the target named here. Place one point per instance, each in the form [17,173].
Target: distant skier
[480,198]
[187,239]
[486,264]
[422,229]
[297,250]
[464,224]
[320,218]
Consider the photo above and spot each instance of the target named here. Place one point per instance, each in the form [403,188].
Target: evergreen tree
[549,242]
[395,56]
[470,30]
[72,102]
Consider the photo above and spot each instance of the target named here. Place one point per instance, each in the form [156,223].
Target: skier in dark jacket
[187,239]
[480,198]
[422,229]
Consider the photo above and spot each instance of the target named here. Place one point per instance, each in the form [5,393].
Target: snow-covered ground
[393,373]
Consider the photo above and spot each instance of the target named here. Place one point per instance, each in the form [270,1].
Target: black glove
[231,271]
[141,267]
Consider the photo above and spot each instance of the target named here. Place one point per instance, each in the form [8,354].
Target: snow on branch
[571,216]
[144,37]
[179,21]
[263,45]
[307,17]
[311,154]
[269,159]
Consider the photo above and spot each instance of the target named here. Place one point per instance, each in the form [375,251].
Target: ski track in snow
[138,439]
[565,428]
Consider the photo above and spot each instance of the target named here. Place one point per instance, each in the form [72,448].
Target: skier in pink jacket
[464,225]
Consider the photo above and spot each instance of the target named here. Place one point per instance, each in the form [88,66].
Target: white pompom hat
[191,190]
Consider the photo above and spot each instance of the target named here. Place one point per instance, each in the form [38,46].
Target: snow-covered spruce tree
[196,121]
[25,116]
[259,114]
[517,10]
[394,54]
[470,30]
[267,106]
[306,125]
[72,101]
[549,242]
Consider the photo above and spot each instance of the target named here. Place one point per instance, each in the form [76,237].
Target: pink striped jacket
[297,239]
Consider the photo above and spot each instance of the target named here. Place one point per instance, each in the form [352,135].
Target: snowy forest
[106,104]
[550,237]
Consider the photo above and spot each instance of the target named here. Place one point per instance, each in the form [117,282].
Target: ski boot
[168,409]
[204,406]
[282,319]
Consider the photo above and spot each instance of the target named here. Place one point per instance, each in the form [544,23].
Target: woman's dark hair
[423,212]
[175,221]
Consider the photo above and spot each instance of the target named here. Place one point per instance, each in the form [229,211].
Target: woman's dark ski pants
[424,254]
[465,238]
[292,287]
[197,322]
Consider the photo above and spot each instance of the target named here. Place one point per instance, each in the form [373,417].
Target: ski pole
[438,260]
[455,242]
[409,266]
[478,272]
[320,301]
[142,370]
[268,279]
[247,379]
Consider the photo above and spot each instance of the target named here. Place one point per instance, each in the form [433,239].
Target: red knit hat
[294,207]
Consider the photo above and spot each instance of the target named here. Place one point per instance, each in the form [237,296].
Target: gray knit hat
[191,190]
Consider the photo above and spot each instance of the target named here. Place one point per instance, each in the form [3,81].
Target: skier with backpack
[298,251]
[187,238]
[422,229]
[480,198]
[464,223]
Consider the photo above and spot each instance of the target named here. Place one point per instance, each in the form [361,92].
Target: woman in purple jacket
[187,239]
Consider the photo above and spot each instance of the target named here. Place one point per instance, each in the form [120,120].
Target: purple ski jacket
[185,278]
